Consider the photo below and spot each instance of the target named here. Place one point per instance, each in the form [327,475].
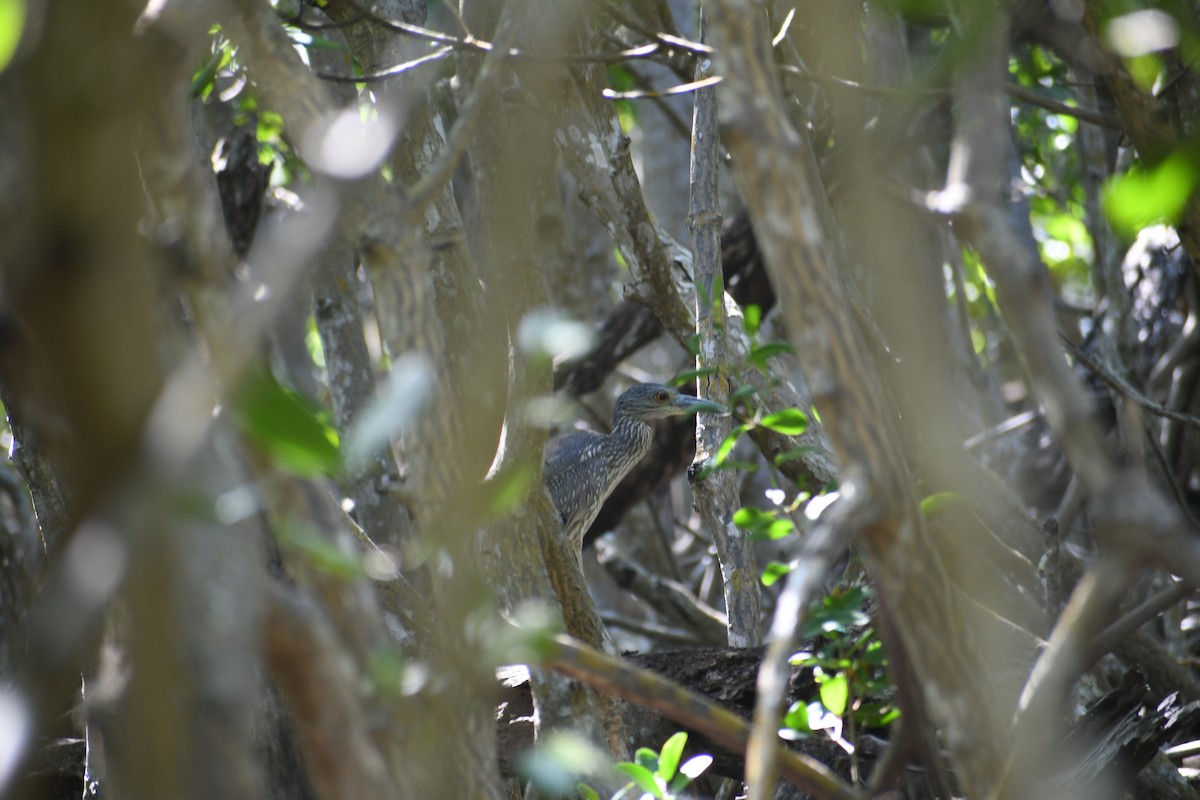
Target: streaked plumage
[582,468]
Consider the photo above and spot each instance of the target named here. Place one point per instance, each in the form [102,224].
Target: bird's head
[653,400]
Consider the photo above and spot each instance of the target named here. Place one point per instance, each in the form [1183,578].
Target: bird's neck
[633,436]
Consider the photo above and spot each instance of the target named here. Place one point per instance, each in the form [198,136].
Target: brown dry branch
[937,659]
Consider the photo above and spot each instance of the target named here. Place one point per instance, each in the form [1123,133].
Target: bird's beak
[694,405]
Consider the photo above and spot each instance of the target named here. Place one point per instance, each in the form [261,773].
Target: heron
[583,468]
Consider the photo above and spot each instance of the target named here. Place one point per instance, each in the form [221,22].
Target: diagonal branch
[645,688]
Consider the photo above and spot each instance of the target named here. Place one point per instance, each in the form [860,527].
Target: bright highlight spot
[347,147]
[549,333]
[1143,32]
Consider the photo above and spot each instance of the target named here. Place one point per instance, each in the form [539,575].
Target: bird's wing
[570,461]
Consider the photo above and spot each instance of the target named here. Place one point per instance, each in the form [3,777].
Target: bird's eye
[662,397]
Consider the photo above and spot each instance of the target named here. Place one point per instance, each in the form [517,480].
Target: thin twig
[1121,386]
[1111,636]
[662,43]
[822,547]
[682,88]
[298,21]
[1018,92]
[481,95]
[668,39]
[1009,425]
[390,72]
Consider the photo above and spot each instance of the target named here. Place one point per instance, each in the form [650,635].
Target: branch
[663,43]
[925,628]
[716,496]
[822,547]
[724,728]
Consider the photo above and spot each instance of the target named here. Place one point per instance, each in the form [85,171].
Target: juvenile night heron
[583,468]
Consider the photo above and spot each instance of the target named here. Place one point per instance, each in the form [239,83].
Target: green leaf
[672,751]
[745,390]
[647,758]
[797,717]
[790,421]
[1145,70]
[12,23]
[835,692]
[751,319]
[270,127]
[751,518]
[761,352]
[643,777]
[689,375]
[507,488]
[1142,197]
[292,433]
[874,654]
[727,446]
[586,792]
[774,571]
[555,765]
[939,503]
[876,715]
[321,43]
[837,612]
[320,551]
[776,530]
[202,80]
[793,454]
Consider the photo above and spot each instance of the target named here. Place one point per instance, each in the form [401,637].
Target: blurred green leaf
[689,375]
[878,715]
[759,353]
[835,692]
[643,777]
[751,319]
[554,765]
[774,571]
[745,390]
[586,792]
[672,751]
[793,454]
[292,433]
[620,79]
[12,24]
[323,554]
[776,530]
[202,79]
[1145,70]
[506,489]
[386,669]
[796,717]
[751,518]
[1142,197]
[647,758]
[837,612]
[270,127]
[762,524]
[790,421]
[727,446]
[939,503]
